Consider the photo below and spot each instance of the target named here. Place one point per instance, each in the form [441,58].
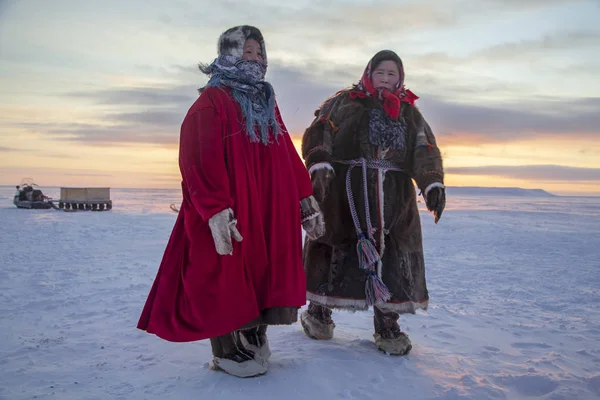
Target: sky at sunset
[92,93]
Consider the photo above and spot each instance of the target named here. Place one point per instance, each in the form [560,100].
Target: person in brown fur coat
[363,150]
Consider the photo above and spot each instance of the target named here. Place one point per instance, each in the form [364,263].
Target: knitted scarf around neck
[255,96]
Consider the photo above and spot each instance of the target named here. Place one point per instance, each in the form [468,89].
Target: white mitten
[222,227]
[312,218]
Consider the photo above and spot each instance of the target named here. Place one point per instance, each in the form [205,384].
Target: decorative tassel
[376,290]
[367,253]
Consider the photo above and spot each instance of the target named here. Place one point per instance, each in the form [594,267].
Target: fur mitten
[321,176]
[312,218]
[222,227]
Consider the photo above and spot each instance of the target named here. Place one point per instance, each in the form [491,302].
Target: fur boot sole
[246,369]
[314,328]
[395,347]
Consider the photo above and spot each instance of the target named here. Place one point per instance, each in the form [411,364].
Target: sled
[85,199]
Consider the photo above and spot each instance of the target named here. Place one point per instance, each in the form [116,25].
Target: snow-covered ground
[514,312]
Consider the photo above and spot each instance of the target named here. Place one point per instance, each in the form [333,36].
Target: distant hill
[497,191]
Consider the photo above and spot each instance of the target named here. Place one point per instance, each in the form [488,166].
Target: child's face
[386,75]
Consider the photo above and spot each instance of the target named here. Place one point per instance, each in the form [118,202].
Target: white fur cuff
[434,185]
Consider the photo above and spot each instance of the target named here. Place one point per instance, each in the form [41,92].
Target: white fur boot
[244,369]
[230,356]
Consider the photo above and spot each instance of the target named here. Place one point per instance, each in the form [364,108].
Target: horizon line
[447,187]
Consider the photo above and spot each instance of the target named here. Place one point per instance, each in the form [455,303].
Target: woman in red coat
[233,264]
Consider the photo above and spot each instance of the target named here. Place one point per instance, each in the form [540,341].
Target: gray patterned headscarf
[246,79]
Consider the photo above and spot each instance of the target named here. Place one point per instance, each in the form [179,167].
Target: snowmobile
[30,197]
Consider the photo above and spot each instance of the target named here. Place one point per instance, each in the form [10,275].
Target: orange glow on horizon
[66,163]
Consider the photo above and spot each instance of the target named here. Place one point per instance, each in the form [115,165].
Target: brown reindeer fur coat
[345,129]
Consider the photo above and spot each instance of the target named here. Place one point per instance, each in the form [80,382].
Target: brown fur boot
[317,322]
[388,336]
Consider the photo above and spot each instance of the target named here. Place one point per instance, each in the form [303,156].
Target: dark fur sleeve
[316,143]
[317,140]
[427,158]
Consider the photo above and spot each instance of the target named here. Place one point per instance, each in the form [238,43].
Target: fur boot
[230,356]
[317,322]
[255,340]
[244,369]
[388,336]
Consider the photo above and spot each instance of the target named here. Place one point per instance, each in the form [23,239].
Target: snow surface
[514,285]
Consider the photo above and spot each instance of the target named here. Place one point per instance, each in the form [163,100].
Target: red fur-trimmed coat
[197,293]
[341,131]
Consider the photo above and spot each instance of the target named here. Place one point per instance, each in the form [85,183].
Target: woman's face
[252,51]
[386,75]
